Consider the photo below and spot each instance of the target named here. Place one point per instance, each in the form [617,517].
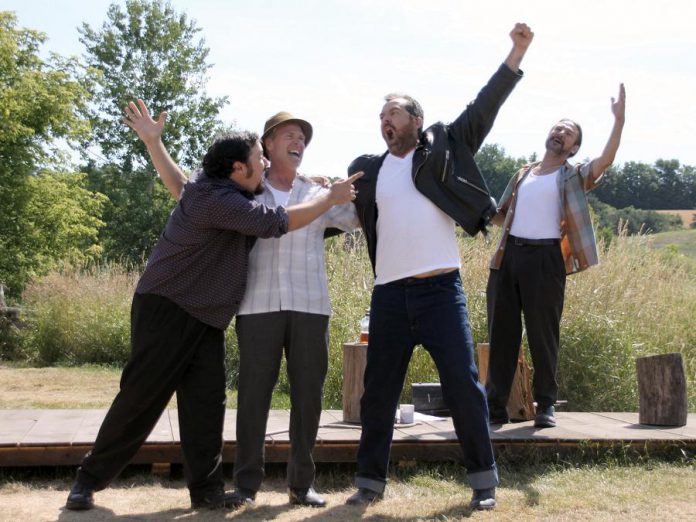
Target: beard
[400,141]
[260,188]
[557,148]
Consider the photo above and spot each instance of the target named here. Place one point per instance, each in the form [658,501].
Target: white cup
[406,413]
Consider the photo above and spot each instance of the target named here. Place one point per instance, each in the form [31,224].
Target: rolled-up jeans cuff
[483,479]
[373,485]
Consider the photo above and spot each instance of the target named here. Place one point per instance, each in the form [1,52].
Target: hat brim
[304,125]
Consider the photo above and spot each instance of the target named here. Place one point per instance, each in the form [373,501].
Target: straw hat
[285,117]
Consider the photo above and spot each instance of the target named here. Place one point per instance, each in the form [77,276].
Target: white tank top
[413,235]
[538,208]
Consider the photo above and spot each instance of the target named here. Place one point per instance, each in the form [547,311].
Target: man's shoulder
[365,161]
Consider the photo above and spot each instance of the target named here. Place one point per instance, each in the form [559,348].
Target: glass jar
[365,327]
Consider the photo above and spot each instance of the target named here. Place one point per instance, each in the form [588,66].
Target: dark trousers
[171,351]
[531,281]
[429,311]
[262,338]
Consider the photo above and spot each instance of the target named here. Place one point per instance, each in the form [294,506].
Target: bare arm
[150,131]
[602,162]
[339,193]
[521,36]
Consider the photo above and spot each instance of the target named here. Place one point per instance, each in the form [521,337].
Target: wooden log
[520,404]
[662,390]
[354,362]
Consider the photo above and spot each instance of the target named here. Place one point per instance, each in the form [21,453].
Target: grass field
[687,216]
[605,489]
[683,241]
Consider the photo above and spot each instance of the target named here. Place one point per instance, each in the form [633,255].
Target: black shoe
[240,497]
[545,418]
[483,499]
[221,499]
[498,416]
[363,497]
[305,497]
[80,497]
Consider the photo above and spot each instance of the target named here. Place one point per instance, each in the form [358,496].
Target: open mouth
[294,153]
[389,133]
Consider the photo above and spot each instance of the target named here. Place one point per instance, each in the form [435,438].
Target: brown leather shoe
[305,497]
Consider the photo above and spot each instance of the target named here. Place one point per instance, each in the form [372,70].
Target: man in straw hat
[285,308]
[190,290]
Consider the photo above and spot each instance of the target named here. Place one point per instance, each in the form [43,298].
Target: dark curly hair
[225,150]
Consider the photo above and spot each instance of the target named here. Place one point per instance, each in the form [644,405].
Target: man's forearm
[602,162]
[514,59]
[304,213]
[170,173]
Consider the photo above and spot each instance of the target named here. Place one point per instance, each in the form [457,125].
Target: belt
[520,241]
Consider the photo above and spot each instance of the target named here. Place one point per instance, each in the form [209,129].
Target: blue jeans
[432,312]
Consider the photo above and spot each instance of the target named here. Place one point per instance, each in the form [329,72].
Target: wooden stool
[662,390]
[354,362]
[520,404]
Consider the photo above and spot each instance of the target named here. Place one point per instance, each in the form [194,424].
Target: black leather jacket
[444,169]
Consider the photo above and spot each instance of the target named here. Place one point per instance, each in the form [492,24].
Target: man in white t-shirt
[547,233]
[409,203]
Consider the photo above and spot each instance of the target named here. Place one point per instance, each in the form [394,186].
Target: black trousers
[171,352]
[531,281]
[262,339]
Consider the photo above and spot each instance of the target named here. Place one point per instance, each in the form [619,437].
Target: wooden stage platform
[62,437]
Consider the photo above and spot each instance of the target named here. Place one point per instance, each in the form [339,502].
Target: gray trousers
[262,339]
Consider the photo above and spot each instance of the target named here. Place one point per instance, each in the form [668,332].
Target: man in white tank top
[418,297]
[547,233]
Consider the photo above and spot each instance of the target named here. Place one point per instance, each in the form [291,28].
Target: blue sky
[332,61]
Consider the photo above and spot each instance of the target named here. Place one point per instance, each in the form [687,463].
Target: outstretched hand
[138,118]
[343,191]
[618,105]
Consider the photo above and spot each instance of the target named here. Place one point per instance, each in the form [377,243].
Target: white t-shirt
[538,208]
[280,197]
[413,235]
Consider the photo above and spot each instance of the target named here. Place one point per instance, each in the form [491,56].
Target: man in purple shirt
[191,288]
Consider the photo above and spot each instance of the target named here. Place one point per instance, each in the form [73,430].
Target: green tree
[41,102]
[145,49]
[497,168]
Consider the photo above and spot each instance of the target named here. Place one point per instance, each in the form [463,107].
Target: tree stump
[354,362]
[662,390]
[520,404]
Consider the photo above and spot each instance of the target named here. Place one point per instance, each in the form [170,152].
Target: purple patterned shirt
[200,261]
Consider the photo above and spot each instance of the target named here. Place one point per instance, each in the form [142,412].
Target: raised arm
[602,162]
[150,131]
[521,36]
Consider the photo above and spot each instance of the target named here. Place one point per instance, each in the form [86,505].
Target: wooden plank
[86,432]
[229,431]
[53,427]
[336,441]
[15,425]
[278,426]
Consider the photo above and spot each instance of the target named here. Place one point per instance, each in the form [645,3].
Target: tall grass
[77,317]
[638,302]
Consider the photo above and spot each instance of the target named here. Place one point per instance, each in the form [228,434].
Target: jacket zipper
[444,169]
[469,183]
